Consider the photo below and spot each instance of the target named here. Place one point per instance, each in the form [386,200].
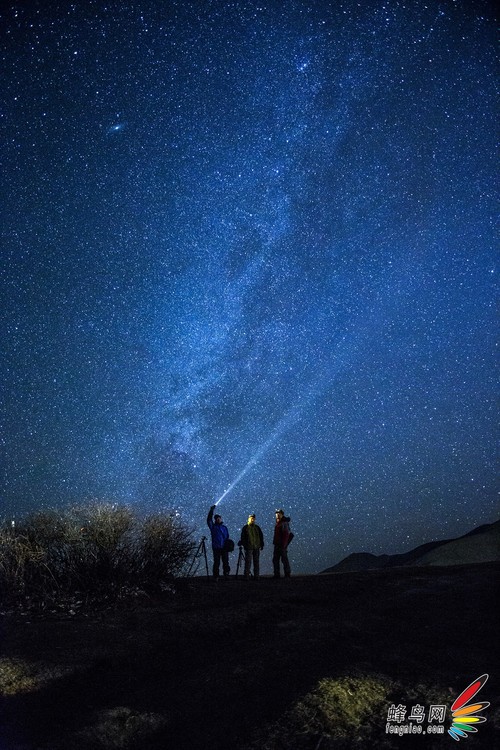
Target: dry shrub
[105,524]
[105,544]
[19,558]
[165,545]
[101,547]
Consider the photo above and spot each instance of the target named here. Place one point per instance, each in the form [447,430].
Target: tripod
[241,559]
[201,551]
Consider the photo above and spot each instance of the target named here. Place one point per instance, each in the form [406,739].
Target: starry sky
[250,245]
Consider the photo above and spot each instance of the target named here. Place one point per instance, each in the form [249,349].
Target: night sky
[252,241]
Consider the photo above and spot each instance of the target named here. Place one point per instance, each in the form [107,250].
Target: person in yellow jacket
[252,540]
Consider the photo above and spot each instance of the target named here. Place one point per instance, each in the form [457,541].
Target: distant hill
[479,545]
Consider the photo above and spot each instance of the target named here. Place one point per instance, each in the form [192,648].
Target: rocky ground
[311,662]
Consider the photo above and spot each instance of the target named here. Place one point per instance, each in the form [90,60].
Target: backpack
[290,537]
[228,545]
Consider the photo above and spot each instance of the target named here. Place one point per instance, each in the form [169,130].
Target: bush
[104,546]
[165,546]
[96,548]
[40,544]
[18,558]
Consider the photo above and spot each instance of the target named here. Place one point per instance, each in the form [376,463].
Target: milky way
[256,239]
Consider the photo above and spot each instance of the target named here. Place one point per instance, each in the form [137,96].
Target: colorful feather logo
[464,713]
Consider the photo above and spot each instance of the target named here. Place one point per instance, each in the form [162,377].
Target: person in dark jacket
[280,541]
[252,540]
[220,535]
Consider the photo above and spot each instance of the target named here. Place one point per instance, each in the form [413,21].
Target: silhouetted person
[280,540]
[252,540]
[220,535]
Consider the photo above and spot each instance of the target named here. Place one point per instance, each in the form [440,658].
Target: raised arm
[210,522]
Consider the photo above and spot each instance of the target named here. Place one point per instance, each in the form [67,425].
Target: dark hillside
[479,545]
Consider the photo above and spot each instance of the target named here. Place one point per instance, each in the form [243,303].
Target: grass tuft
[18,676]
[346,713]
[339,708]
[121,728]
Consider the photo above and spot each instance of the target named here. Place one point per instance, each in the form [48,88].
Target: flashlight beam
[283,425]
[350,345]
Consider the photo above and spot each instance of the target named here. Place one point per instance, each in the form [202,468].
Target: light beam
[283,425]
[327,371]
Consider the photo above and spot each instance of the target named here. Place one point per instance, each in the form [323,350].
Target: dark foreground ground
[230,664]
